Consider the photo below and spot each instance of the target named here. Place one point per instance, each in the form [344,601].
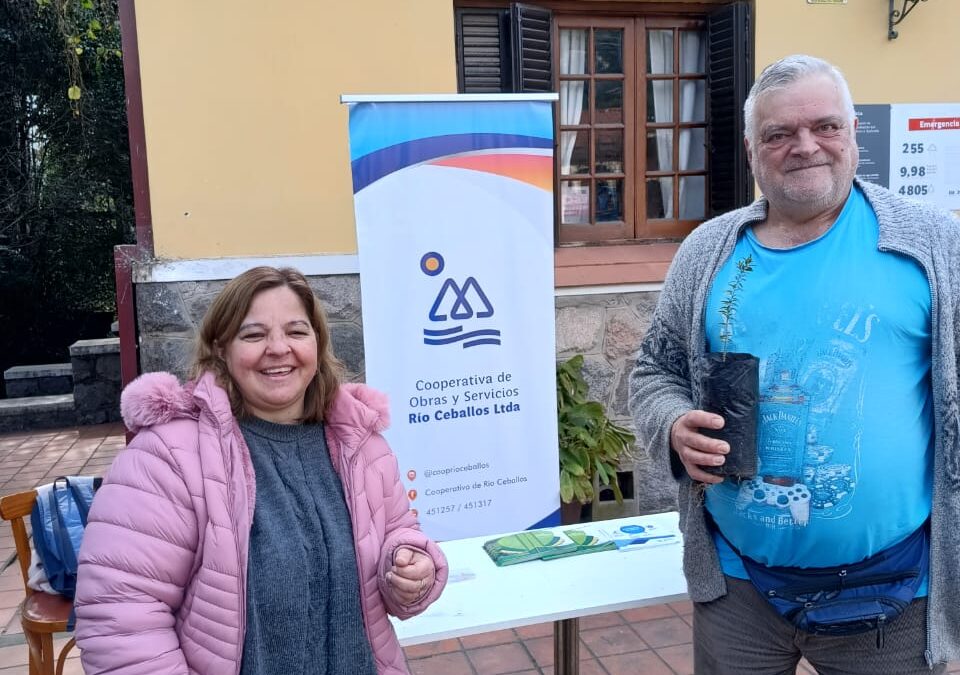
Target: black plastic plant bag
[731,388]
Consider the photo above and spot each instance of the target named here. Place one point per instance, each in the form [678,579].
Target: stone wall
[606,329]
[41,380]
[169,314]
[92,396]
[96,380]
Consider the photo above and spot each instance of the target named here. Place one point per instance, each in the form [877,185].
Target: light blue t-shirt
[845,436]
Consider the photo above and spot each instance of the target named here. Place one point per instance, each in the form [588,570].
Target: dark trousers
[741,634]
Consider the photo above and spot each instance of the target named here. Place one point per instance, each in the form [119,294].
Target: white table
[482,597]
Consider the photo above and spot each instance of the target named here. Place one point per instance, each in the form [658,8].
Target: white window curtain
[573,61]
[661,59]
[693,50]
[575,195]
[692,53]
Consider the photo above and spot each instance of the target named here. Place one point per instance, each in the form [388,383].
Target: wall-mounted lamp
[898,15]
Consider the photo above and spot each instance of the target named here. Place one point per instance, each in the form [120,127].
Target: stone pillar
[96,380]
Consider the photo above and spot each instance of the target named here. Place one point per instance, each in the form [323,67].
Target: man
[852,309]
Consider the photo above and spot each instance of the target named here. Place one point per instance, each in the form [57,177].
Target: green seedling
[728,306]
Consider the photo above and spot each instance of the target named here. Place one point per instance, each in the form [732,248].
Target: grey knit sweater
[303,592]
[663,386]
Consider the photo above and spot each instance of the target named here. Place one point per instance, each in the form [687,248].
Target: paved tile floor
[28,459]
[647,641]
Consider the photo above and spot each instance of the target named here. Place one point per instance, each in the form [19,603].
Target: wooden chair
[42,614]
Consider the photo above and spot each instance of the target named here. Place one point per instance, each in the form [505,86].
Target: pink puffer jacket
[163,567]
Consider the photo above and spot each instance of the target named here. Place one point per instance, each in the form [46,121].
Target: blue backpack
[58,518]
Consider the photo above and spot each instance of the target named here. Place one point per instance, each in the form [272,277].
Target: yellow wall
[246,138]
[247,141]
[920,66]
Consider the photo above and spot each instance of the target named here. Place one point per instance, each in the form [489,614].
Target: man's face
[804,152]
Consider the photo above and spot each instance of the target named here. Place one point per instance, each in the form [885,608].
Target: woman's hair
[222,322]
[782,74]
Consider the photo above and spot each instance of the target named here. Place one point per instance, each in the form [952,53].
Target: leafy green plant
[728,306]
[590,444]
[90,32]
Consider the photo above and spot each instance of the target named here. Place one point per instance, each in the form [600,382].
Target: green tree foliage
[65,190]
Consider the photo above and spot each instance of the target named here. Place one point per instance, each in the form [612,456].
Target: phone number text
[462,506]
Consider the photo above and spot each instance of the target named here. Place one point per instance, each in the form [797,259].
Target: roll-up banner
[454,211]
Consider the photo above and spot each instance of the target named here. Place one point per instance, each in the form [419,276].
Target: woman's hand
[696,450]
[412,574]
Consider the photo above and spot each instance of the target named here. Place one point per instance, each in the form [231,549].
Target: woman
[257,523]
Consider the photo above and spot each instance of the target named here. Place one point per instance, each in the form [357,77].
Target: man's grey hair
[783,73]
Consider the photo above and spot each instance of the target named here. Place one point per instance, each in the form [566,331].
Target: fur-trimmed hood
[157,398]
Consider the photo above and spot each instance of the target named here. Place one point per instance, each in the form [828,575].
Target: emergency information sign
[913,149]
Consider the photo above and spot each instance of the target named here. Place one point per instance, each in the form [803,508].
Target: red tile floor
[647,641]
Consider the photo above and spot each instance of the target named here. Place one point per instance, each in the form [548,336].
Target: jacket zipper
[242,564]
[347,467]
[243,588]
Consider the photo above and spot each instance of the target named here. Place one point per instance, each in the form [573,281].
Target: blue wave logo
[457,302]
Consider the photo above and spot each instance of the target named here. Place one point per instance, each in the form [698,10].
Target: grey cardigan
[663,386]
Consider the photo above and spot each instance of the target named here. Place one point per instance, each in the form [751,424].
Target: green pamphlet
[520,547]
[577,540]
[586,542]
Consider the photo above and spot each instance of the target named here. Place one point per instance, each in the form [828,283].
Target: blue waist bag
[846,599]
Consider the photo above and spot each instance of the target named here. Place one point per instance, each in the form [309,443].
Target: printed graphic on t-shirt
[801,476]
[842,332]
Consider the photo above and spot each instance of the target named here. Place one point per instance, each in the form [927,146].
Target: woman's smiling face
[273,357]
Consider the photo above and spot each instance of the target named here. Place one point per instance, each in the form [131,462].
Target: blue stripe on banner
[447,331]
[371,168]
[458,338]
[375,126]
[482,341]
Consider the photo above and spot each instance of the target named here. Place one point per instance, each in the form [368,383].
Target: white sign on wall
[925,152]
[913,149]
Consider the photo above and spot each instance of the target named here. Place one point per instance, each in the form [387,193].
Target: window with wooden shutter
[533,55]
[504,50]
[649,121]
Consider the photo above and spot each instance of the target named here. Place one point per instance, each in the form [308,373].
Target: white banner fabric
[454,212]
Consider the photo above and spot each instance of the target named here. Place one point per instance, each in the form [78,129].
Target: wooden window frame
[730,25]
[637,227]
[612,230]
[663,228]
